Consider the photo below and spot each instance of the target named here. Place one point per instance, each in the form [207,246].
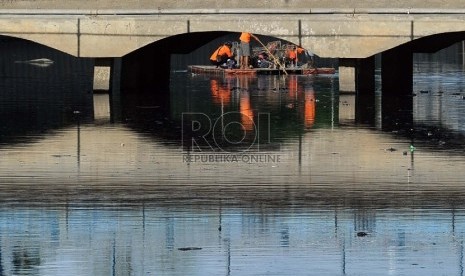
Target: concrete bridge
[335,33]
[144,32]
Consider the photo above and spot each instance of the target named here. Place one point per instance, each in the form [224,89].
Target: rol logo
[230,132]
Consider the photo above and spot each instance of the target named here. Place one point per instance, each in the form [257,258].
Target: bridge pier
[113,85]
[347,75]
[365,89]
[397,86]
[115,90]
[145,82]
[357,89]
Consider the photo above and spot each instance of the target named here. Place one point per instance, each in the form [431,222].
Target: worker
[292,56]
[222,54]
[245,49]
[263,61]
[302,55]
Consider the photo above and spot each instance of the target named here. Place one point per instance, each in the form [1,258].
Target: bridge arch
[153,61]
[435,42]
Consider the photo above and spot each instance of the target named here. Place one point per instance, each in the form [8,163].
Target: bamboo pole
[275,60]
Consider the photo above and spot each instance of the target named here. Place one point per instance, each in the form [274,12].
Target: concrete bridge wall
[228,4]
[336,33]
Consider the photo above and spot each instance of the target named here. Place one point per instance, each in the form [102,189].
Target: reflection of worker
[293,86]
[221,93]
[246,112]
[222,54]
[245,49]
[309,108]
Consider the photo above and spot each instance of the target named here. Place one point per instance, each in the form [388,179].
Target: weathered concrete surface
[346,79]
[111,33]
[219,4]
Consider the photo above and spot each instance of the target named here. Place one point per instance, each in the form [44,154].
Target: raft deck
[217,71]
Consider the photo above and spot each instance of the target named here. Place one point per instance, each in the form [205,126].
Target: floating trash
[189,248]
[40,62]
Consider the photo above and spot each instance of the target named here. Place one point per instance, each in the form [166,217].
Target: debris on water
[404,153]
[189,248]
[424,91]
[362,234]
[40,62]
[390,149]
[148,106]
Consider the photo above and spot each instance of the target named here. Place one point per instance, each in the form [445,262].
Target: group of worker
[224,56]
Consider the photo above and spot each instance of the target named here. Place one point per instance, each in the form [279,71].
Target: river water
[288,182]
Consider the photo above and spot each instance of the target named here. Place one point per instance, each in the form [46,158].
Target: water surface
[82,195]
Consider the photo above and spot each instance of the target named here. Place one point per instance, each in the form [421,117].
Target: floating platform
[218,71]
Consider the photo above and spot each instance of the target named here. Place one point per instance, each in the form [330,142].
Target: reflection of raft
[213,70]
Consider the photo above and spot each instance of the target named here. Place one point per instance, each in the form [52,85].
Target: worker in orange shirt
[245,49]
[299,50]
[291,55]
[222,54]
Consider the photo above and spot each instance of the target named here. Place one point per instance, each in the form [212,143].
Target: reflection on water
[253,240]
[40,88]
[252,110]
[83,196]
[440,100]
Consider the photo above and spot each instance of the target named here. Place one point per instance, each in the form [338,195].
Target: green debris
[412,148]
